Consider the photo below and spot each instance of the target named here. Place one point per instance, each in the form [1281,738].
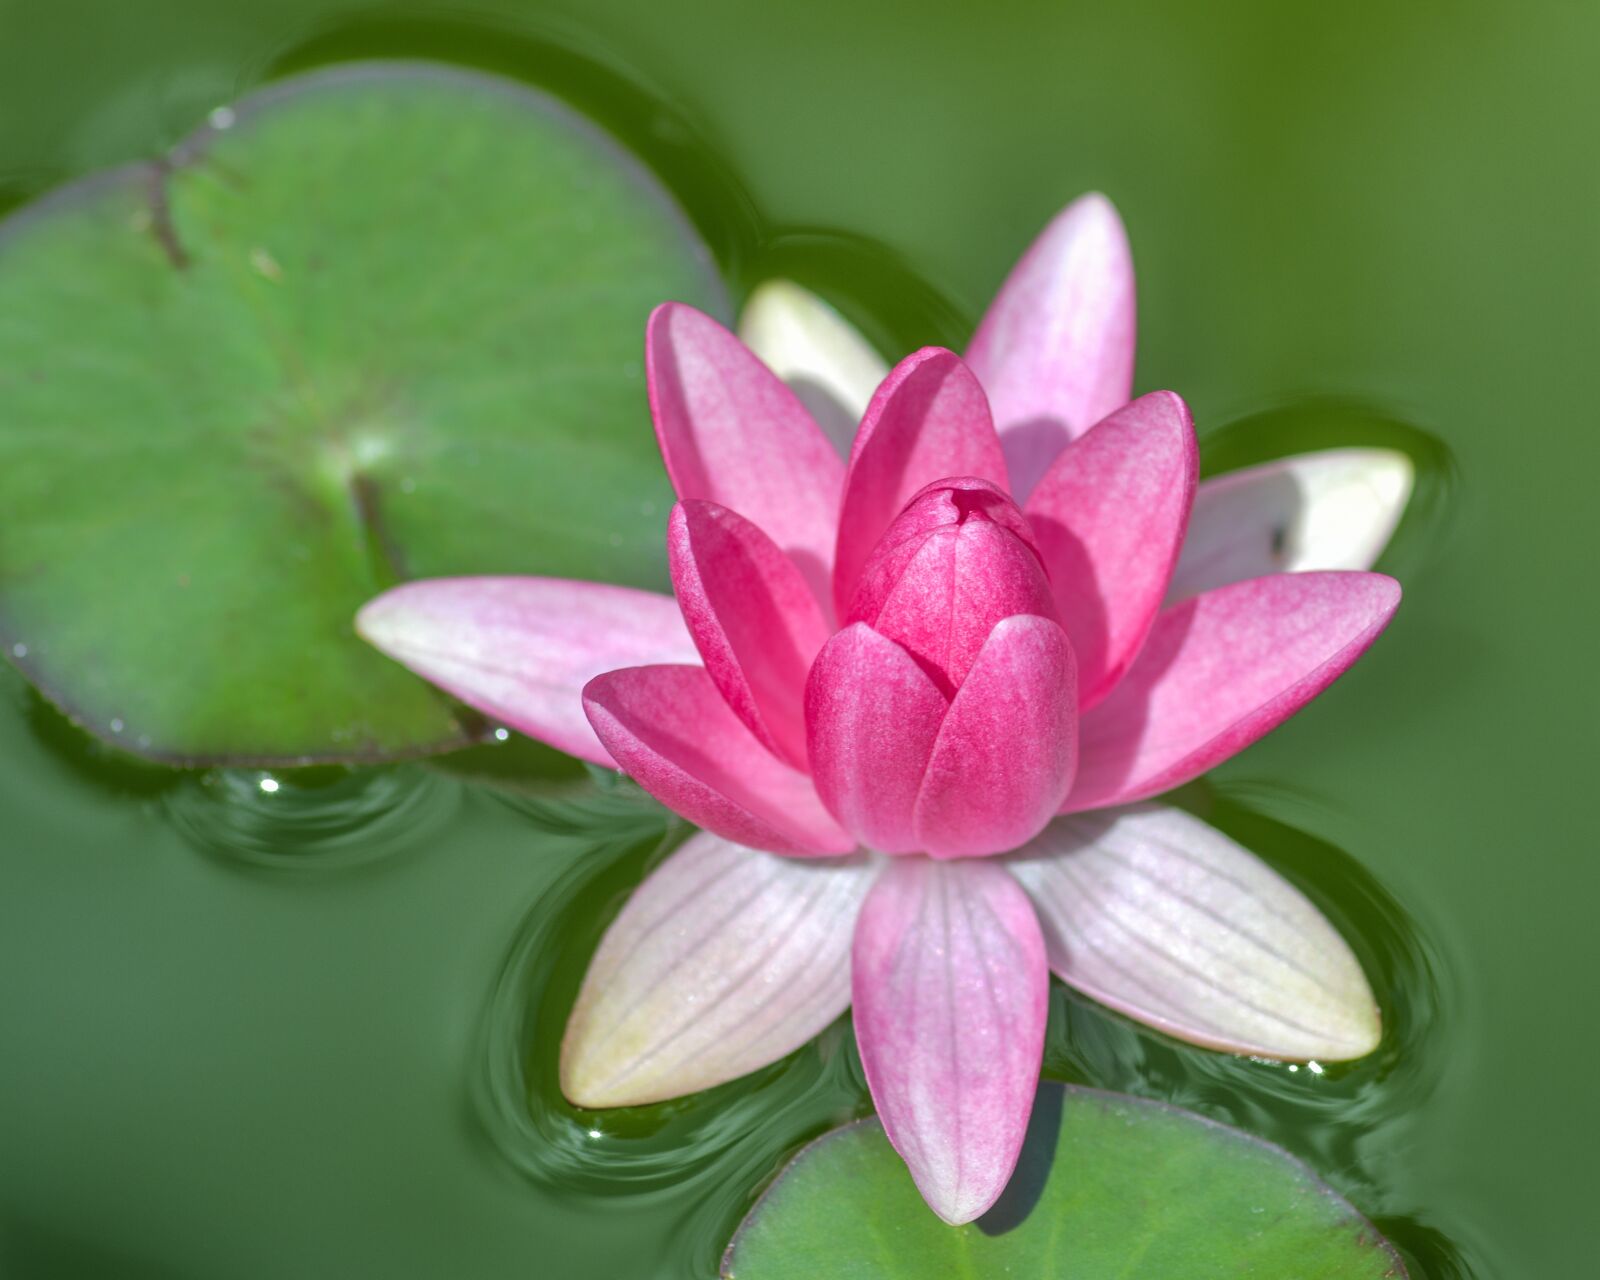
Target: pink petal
[1334,509]
[954,591]
[670,730]
[1007,750]
[952,500]
[955,562]
[757,623]
[1167,920]
[521,649]
[872,715]
[927,421]
[1220,670]
[1055,351]
[951,986]
[723,960]
[1109,518]
[731,432]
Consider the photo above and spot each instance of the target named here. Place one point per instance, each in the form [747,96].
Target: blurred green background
[209,1070]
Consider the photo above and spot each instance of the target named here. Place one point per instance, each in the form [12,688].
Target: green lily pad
[1108,1186]
[374,323]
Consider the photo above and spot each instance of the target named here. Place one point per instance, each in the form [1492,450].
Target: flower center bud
[958,559]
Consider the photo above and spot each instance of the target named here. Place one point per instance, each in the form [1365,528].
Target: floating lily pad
[376,323]
[1107,1186]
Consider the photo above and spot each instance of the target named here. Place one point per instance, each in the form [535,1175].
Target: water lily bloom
[919,702]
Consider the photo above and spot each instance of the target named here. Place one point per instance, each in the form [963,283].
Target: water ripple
[721,1142]
[311,819]
[1328,1114]
[713,1150]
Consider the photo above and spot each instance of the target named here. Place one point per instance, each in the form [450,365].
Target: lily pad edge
[1103,1097]
[470,728]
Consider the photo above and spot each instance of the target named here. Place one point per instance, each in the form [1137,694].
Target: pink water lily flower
[919,702]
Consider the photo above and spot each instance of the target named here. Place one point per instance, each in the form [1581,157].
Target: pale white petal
[808,344]
[1330,510]
[1159,916]
[521,649]
[725,959]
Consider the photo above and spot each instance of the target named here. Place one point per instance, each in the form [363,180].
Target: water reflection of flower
[919,701]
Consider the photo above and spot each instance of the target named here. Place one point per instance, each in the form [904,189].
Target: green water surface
[310,1032]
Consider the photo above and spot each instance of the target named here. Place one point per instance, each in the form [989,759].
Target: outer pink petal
[1055,351]
[1220,670]
[1007,750]
[1158,915]
[756,622]
[521,649]
[670,730]
[872,714]
[1109,518]
[733,433]
[951,986]
[723,960]
[928,420]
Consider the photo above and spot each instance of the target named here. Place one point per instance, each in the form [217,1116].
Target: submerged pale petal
[670,730]
[1055,349]
[1220,670]
[1165,919]
[731,432]
[521,649]
[814,349]
[723,960]
[1335,509]
[951,990]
